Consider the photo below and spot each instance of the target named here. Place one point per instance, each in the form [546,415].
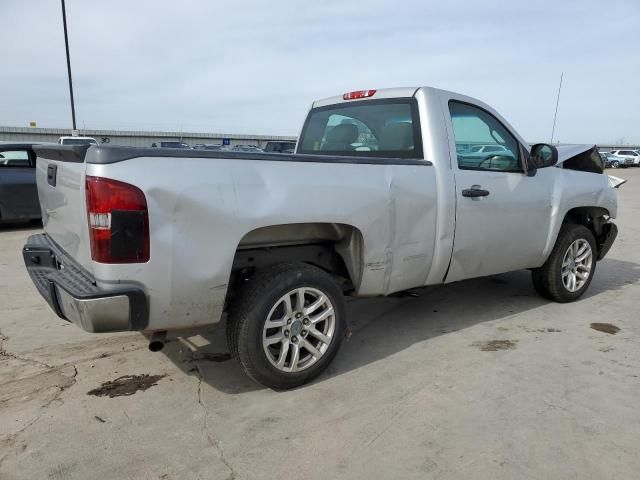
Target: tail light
[118,221]
[358,94]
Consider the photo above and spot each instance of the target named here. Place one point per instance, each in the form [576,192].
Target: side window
[494,149]
[14,158]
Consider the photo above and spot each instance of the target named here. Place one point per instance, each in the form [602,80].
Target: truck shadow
[381,327]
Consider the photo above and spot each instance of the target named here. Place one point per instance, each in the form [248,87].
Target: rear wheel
[286,325]
[568,271]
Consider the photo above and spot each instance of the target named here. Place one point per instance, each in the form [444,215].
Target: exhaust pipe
[156,342]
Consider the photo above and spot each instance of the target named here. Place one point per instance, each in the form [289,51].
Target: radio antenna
[555,115]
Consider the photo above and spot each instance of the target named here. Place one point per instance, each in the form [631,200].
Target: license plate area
[40,258]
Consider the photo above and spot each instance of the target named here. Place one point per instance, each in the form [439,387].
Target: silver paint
[398,221]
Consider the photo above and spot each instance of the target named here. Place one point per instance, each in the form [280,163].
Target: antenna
[66,47]
[555,115]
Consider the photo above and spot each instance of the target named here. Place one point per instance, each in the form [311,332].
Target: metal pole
[66,46]
[555,115]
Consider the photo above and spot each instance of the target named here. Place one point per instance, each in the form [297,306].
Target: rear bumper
[73,294]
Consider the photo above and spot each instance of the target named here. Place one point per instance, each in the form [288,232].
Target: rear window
[370,128]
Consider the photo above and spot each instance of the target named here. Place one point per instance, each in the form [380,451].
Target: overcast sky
[255,66]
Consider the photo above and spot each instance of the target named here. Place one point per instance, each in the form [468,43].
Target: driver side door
[502,215]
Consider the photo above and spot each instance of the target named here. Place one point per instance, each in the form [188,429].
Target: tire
[549,281]
[615,164]
[263,298]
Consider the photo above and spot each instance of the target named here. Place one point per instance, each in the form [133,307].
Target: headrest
[343,133]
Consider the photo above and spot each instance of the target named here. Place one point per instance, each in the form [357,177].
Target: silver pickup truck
[384,193]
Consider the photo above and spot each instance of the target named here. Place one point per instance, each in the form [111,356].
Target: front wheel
[568,271]
[615,164]
[286,325]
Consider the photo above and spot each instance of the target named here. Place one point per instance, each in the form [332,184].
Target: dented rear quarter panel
[200,209]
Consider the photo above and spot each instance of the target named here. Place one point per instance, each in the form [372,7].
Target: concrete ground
[482,379]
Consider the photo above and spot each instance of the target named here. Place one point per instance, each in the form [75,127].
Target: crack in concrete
[110,354]
[11,439]
[213,442]
[4,354]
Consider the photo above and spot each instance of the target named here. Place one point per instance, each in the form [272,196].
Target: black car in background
[209,146]
[246,148]
[18,192]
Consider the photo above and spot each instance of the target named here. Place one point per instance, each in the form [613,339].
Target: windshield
[370,128]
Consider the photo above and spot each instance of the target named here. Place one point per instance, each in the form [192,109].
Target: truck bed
[202,204]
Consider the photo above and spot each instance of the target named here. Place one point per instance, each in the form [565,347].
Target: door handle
[52,172]
[475,191]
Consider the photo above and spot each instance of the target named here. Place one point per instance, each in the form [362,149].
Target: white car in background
[487,149]
[628,158]
[77,141]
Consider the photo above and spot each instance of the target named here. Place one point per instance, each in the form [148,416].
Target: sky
[250,66]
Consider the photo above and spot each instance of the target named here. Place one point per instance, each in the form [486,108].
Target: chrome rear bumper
[73,294]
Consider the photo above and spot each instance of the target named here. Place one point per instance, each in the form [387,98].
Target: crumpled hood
[585,158]
[567,152]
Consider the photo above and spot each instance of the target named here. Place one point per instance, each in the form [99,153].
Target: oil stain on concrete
[605,327]
[495,345]
[126,385]
[212,357]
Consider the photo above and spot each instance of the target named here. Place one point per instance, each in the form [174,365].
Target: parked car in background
[627,158]
[271,244]
[488,156]
[172,144]
[210,146]
[18,191]
[280,147]
[487,149]
[609,160]
[247,148]
[77,141]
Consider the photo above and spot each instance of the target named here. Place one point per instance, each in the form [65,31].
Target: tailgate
[60,175]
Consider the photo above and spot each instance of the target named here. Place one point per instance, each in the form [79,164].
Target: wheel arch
[334,247]
[595,218]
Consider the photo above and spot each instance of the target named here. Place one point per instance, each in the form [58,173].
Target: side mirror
[544,155]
